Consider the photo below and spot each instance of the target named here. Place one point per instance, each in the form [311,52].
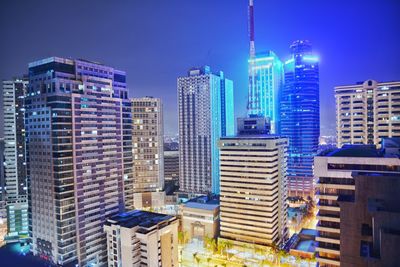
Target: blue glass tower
[300,116]
[265,85]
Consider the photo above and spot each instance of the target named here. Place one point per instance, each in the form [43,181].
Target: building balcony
[328,205]
[328,248]
[327,240]
[336,186]
[328,229]
[328,217]
[328,208]
[326,196]
[329,261]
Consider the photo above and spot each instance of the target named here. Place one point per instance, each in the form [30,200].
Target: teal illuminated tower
[265,85]
[265,81]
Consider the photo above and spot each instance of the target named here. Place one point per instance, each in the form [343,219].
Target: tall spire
[253,105]
[251,29]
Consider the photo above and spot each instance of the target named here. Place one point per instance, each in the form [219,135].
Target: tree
[221,246]
[208,261]
[253,249]
[183,237]
[298,260]
[196,258]
[228,246]
[180,237]
[312,260]
[308,260]
[281,253]
[213,245]
[265,261]
[275,250]
[206,242]
[210,244]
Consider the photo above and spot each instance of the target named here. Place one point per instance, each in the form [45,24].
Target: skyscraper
[171,164]
[2,179]
[205,103]
[3,209]
[265,72]
[367,111]
[14,157]
[148,152]
[253,185]
[78,125]
[343,176]
[300,116]
[265,83]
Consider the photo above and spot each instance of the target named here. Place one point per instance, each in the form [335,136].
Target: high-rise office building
[369,232]
[2,178]
[148,152]
[300,116]
[3,209]
[253,185]
[171,165]
[342,175]
[265,85]
[265,72]
[205,103]
[367,112]
[14,157]
[140,238]
[78,125]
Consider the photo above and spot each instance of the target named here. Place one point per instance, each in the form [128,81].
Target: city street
[194,254]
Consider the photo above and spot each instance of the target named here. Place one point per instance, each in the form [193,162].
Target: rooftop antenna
[253,98]
[251,28]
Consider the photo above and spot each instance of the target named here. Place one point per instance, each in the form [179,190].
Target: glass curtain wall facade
[300,116]
[265,84]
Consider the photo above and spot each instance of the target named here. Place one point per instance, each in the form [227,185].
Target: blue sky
[157,41]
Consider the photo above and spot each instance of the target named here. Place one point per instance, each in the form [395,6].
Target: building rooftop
[357,151]
[390,149]
[359,84]
[309,232]
[140,218]
[251,136]
[306,246]
[203,70]
[203,202]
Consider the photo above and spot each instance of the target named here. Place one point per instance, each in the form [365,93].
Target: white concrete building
[200,217]
[15,183]
[140,238]
[367,112]
[253,189]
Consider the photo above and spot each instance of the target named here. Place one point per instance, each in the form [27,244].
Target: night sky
[157,41]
